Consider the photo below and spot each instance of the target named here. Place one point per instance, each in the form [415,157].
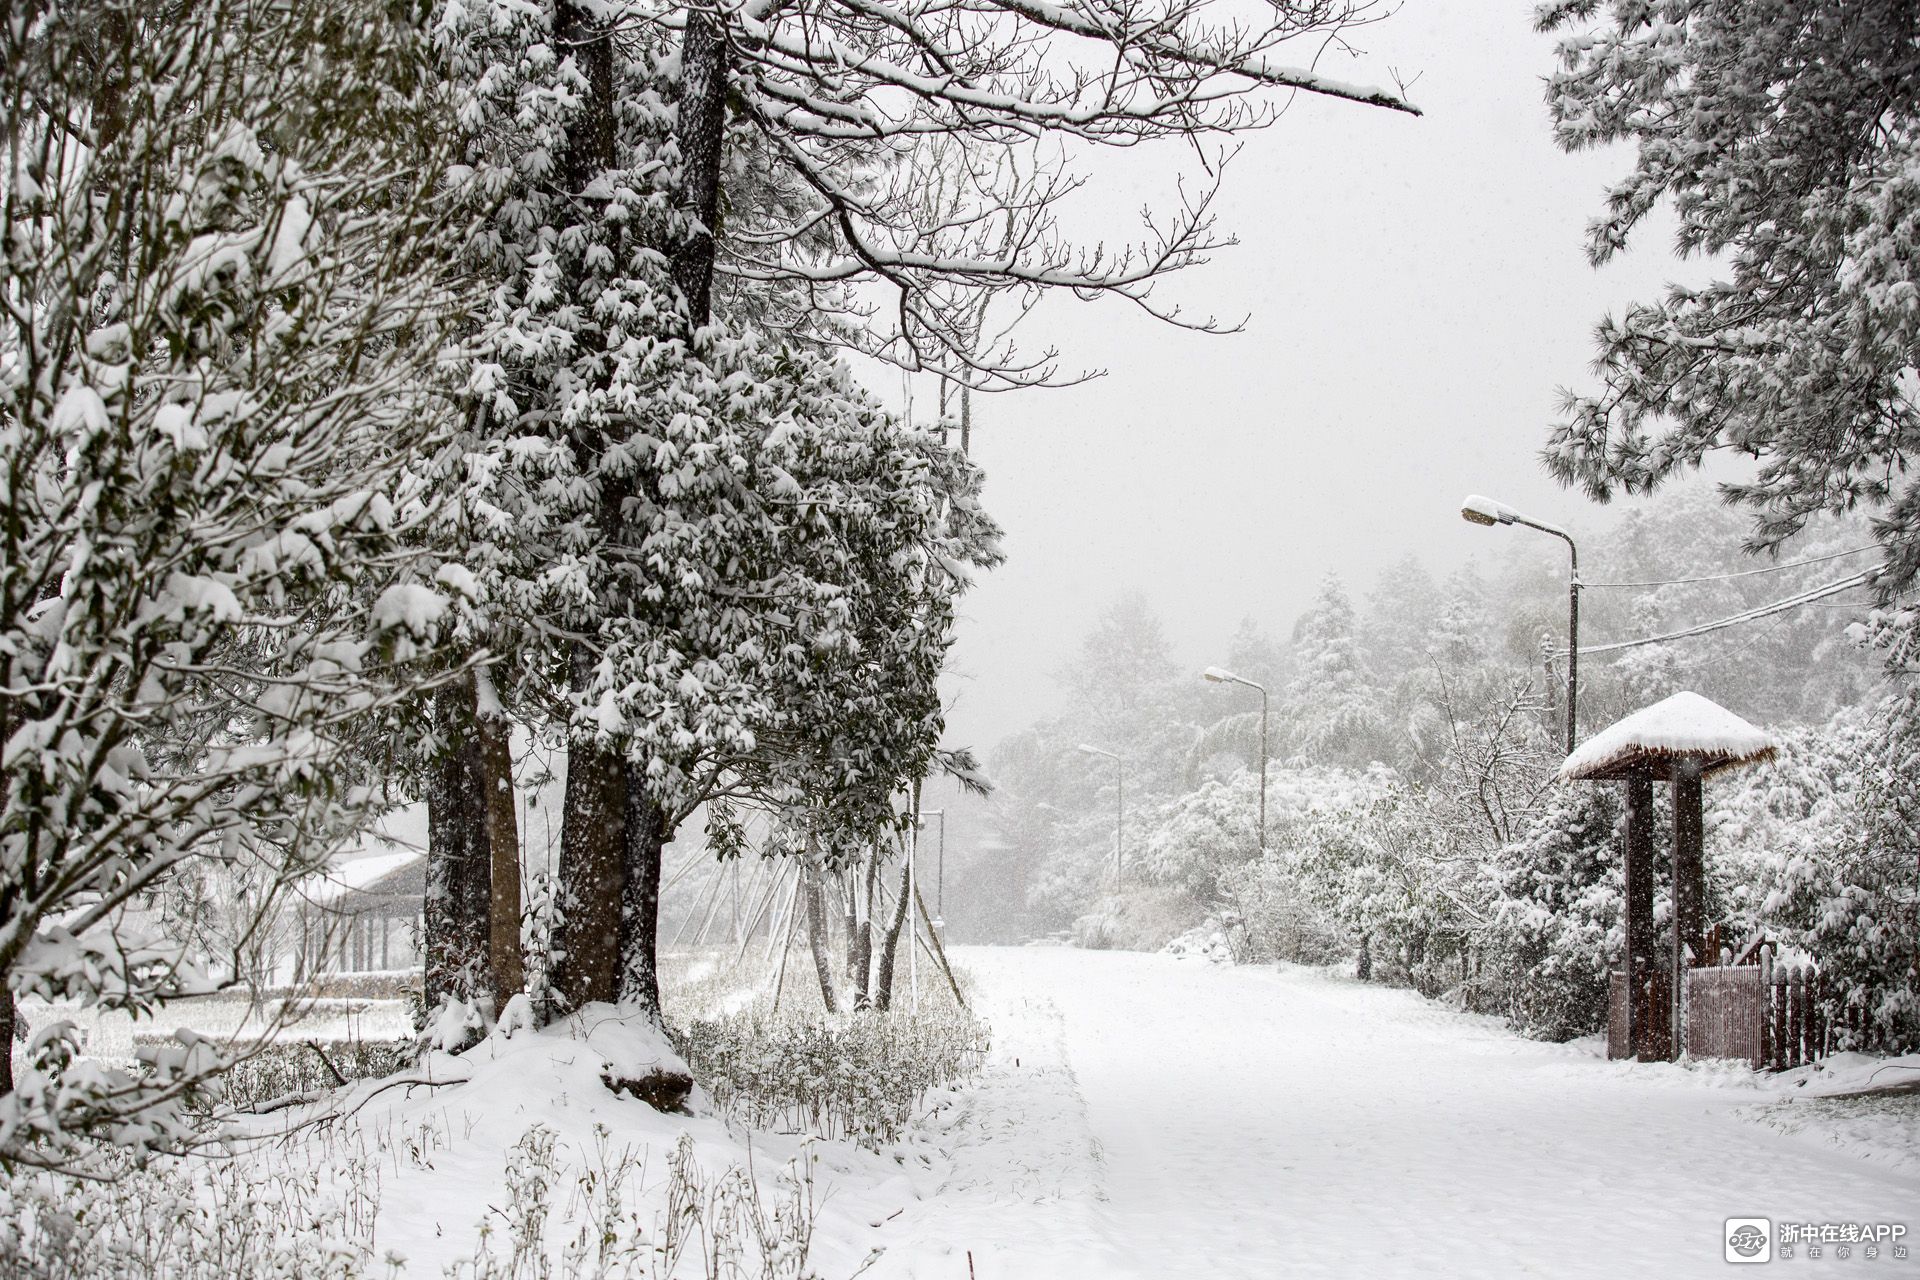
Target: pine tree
[1333,707]
[1783,135]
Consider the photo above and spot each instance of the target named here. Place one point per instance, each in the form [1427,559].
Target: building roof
[1655,741]
[380,875]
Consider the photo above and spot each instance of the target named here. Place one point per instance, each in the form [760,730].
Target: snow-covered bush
[1281,922]
[1818,845]
[172,1219]
[857,1076]
[311,1211]
[1140,918]
[1195,841]
[1553,925]
[227,307]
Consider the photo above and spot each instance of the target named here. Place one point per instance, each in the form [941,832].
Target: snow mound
[1685,724]
[1207,941]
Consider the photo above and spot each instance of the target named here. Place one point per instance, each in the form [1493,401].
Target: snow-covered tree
[1816,847]
[223,314]
[1333,711]
[1783,135]
[724,573]
[914,154]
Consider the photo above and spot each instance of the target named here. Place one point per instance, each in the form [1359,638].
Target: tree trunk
[850,915]
[592,849]
[699,131]
[647,834]
[459,861]
[593,824]
[9,1020]
[495,734]
[890,944]
[817,937]
[860,957]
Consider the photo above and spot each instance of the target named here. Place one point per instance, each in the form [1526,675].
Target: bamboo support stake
[939,949]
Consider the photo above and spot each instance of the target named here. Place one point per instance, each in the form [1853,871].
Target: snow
[410,606]
[1145,1116]
[442,1144]
[1682,724]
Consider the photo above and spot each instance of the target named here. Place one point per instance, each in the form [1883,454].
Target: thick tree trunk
[503,842]
[646,841]
[592,857]
[699,132]
[593,824]
[459,860]
[817,937]
[890,944]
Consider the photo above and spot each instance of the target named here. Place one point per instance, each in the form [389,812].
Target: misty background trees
[1412,815]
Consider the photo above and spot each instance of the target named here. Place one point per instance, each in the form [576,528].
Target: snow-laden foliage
[858,1077]
[1820,844]
[1193,842]
[594,1214]
[223,315]
[760,560]
[1783,136]
[1334,712]
[1554,927]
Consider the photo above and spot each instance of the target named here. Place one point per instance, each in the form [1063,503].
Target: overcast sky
[1415,291]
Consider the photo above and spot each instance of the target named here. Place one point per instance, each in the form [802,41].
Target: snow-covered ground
[1159,1116]
[1150,1116]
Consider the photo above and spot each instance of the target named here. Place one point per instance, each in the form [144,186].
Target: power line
[1766,610]
[1744,573]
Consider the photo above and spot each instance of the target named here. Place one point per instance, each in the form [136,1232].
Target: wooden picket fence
[1765,1013]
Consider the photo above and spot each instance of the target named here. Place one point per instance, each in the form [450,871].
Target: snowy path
[1170,1118]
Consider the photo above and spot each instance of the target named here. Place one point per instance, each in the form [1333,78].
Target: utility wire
[1744,573]
[1766,610]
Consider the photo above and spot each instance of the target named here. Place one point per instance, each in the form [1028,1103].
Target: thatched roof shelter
[1684,730]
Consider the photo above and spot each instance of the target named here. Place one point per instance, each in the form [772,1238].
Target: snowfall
[1157,1116]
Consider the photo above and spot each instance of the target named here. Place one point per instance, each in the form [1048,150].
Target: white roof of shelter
[1652,741]
[327,887]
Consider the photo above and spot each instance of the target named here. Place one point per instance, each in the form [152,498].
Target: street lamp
[1120,805]
[1219,676]
[1479,510]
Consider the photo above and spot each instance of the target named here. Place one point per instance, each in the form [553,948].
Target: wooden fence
[1767,1014]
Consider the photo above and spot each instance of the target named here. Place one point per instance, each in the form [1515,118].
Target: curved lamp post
[1120,805]
[1478,510]
[1220,676]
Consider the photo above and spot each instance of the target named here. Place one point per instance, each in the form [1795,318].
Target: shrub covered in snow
[1817,848]
[858,1076]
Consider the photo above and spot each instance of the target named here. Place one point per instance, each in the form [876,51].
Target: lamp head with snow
[1479,510]
[1095,751]
[1218,676]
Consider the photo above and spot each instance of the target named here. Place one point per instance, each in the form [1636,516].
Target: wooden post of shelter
[1689,887]
[1646,1029]
[1682,740]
